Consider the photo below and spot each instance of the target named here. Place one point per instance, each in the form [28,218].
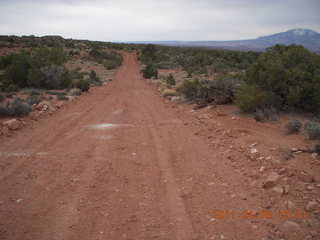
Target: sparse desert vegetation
[209,111]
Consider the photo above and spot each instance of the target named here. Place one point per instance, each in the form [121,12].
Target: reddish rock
[4,130]
[271,180]
[12,124]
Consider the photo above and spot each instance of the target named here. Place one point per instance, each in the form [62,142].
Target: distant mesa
[308,38]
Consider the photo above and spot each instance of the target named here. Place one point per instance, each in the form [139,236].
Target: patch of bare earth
[122,163]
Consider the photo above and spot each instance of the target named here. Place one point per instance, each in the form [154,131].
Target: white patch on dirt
[43,153]
[13,154]
[118,112]
[105,137]
[108,125]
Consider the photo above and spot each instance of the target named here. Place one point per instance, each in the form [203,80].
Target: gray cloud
[123,20]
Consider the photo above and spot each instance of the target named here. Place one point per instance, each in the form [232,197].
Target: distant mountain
[308,38]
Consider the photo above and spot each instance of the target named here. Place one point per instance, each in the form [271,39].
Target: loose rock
[310,206]
[272,180]
[292,226]
[278,189]
[12,124]
[290,204]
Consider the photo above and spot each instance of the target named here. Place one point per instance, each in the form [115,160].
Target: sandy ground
[124,163]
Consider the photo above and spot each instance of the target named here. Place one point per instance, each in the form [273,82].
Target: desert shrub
[148,53]
[51,92]
[12,88]
[18,108]
[52,76]
[316,148]
[190,88]
[169,92]
[249,98]
[34,99]
[292,73]
[3,111]
[62,97]
[37,68]
[75,92]
[84,85]
[150,71]
[170,80]
[293,126]
[2,97]
[312,129]
[33,92]
[265,114]
[259,115]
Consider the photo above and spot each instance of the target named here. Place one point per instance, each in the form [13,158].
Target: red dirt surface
[158,173]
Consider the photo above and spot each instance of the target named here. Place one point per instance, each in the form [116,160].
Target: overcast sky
[135,20]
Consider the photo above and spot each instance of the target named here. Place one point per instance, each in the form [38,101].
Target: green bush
[312,129]
[18,108]
[292,73]
[37,68]
[12,88]
[84,85]
[293,126]
[2,97]
[150,71]
[34,99]
[170,80]
[316,148]
[3,111]
[249,98]
[191,88]
[62,97]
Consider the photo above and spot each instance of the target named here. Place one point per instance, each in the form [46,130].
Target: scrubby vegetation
[15,108]
[109,58]
[150,71]
[170,80]
[316,148]
[293,126]
[39,68]
[285,77]
[312,129]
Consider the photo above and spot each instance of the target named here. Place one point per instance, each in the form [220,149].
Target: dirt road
[121,164]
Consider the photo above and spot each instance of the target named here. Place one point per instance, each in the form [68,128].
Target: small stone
[12,124]
[221,114]
[4,130]
[308,178]
[291,226]
[278,189]
[286,189]
[19,200]
[310,187]
[311,205]
[294,149]
[253,145]
[272,179]
[290,204]
[314,233]
[35,115]
[254,154]
[282,170]
[314,155]
[75,180]
[262,169]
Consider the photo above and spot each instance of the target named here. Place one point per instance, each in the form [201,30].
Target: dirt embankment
[122,164]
